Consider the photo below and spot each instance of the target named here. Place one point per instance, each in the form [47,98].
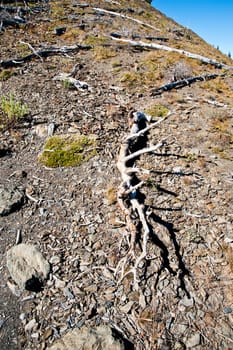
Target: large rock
[101,338]
[27,266]
[11,198]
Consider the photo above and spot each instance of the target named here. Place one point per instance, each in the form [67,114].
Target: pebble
[30,325]
[187,302]
[59,283]
[194,341]
[227,310]
[54,260]
[22,317]
[48,333]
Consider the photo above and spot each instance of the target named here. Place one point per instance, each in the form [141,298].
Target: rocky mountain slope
[116,172]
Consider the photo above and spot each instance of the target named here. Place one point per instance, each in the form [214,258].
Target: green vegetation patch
[157,111]
[66,150]
[10,111]
[5,74]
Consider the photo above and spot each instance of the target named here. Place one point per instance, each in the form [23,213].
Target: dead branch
[182,83]
[206,60]
[128,191]
[116,14]
[44,53]
[66,77]
[11,22]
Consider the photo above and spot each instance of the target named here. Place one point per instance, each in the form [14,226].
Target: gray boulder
[11,198]
[101,338]
[27,266]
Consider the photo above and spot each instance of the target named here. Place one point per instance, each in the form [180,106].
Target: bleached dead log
[65,50]
[66,77]
[139,125]
[116,14]
[153,46]
[182,83]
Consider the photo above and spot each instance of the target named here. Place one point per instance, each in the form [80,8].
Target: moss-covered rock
[66,150]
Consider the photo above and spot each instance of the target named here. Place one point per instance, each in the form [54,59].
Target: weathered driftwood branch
[128,192]
[153,46]
[116,14]
[182,83]
[44,53]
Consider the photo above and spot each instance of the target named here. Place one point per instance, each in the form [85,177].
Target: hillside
[116,163]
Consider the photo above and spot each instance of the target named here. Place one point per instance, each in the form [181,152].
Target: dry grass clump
[111,195]
[102,53]
[218,86]
[221,135]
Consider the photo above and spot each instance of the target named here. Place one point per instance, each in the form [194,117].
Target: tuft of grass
[111,195]
[11,111]
[67,84]
[5,74]
[129,78]
[95,40]
[66,150]
[101,53]
[157,111]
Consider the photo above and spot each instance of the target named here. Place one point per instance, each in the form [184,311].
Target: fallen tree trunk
[44,53]
[12,22]
[116,14]
[153,46]
[182,83]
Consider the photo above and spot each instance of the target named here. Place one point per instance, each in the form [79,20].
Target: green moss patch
[66,150]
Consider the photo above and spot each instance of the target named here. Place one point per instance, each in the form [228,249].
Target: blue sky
[210,19]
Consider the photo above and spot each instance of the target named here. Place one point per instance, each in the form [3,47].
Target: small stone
[60,30]
[67,293]
[127,307]
[187,302]
[35,335]
[194,341]
[30,325]
[59,283]
[177,170]
[27,266]
[54,260]
[48,333]
[22,317]
[227,310]
[51,129]
[11,198]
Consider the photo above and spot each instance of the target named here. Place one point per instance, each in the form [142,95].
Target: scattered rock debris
[69,217]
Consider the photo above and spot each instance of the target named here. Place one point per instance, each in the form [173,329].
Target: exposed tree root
[128,195]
